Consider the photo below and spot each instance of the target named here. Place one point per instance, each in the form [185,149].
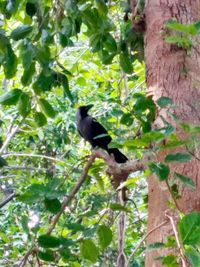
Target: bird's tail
[118,155]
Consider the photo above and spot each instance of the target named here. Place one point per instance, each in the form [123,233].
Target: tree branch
[143,239]
[8,139]
[180,248]
[31,155]
[114,169]
[25,258]
[8,199]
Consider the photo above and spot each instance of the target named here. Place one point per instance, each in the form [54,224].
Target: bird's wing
[97,128]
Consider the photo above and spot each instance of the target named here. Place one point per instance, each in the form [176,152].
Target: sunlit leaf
[105,236]
[161,170]
[11,98]
[21,32]
[189,229]
[47,108]
[24,104]
[89,251]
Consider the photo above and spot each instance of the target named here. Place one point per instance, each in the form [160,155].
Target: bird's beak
[88,107]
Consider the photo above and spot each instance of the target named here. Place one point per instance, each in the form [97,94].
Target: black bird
[93,132]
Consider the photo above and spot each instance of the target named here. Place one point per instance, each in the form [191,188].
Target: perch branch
[114,169]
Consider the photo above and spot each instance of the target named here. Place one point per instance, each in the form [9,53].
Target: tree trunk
[174,72]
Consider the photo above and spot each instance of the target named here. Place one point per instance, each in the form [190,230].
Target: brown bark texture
[174,72]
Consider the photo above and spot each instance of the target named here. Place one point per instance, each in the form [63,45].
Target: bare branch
[25,258]
[8,199]
[8,139]
[180,248]
[143,239]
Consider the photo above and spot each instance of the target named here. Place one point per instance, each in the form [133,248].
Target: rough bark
[174,72]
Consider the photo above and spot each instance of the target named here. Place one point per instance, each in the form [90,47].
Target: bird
[93,132]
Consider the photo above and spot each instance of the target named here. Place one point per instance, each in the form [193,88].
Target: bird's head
[83,110]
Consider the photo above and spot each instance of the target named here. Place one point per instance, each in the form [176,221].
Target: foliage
[55,56]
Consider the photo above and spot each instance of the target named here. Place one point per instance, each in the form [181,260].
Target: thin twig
[180,248]
[25,258]
[13,167]
[8,199]
[143,239]
[8,139]
[31,155]
[73,192]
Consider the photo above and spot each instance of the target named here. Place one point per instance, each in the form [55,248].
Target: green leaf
[4,41]
[126,119]
[28,74]
[35,192]
[102,7]
[190,128]
[24,104]
[47,108]
[106,57]
[185,180]
[187,28]
[164,101]
[65,84]
[31,8]
[89,251]
[180,41]
[46,255]
[65,253]
[11,98]
[193,256]
[161,170]
[52,205]
[146,139]
[125,63]
[21,32]
[10,64]
[105,236]
[180,157]
[170,261]
[47,241]
[109,43]
[40,119]
[189,229]
[118,207]
[75,227]
[3,162]
[27,54]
